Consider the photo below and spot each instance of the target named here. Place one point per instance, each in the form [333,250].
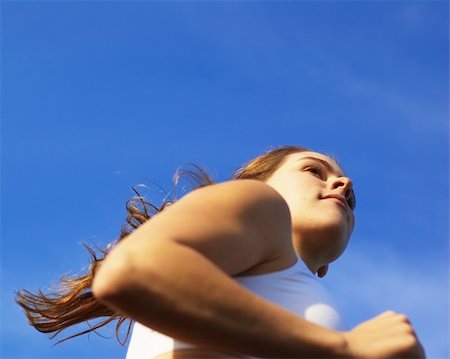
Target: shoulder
[244,195]
[254,202]
[247,218]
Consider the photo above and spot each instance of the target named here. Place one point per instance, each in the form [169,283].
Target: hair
[72,301]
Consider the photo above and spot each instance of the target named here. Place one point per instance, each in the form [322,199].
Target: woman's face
[321,202]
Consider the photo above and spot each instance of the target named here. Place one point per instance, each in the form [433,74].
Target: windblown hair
[72,301]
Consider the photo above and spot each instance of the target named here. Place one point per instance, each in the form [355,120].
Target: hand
[389,335]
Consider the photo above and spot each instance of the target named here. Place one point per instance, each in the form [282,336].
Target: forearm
[177,291]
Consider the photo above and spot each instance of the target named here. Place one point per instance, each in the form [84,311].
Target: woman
[230,269]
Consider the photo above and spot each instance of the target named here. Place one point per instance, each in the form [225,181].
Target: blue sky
[98,96]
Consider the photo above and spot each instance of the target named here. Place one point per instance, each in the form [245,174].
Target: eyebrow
[323,162]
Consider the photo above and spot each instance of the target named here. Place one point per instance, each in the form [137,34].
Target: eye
[316,171]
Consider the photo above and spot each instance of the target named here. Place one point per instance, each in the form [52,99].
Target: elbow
[108,282]
[101,288]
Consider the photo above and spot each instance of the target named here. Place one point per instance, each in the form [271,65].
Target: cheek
[300,193]
[300,202]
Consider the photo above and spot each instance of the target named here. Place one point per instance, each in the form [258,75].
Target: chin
[338,228]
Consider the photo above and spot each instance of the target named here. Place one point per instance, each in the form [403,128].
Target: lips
[337,197]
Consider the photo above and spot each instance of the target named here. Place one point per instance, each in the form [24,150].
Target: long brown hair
[72,302]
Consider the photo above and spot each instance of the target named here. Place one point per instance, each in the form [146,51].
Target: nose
[344,187]
[345,184]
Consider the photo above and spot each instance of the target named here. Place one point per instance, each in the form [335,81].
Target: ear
[322,271]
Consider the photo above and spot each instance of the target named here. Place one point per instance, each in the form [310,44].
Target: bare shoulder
[244,195]
[252,202]
[246,218]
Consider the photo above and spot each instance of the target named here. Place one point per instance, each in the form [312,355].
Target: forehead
[300,157]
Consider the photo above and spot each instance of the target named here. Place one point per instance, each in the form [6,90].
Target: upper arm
[236,225]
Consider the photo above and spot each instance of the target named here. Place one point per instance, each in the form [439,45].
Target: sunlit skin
[321,201]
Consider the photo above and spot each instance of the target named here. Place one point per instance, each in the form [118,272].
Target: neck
[311,251]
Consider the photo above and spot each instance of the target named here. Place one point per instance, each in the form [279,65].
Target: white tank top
[295,289]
